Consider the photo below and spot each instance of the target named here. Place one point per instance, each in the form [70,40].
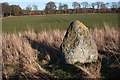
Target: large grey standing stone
[78,44]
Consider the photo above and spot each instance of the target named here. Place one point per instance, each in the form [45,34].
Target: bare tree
[35,7]
[28,8]
[50,7]
[107,5]
[60,8]
[65,7]
[85,5]
[98,3]
[76,6]
[114,6]
[107,8]
[103,6]
[79,6]
[93,5]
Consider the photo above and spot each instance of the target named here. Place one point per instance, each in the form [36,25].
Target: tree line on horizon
[51,8]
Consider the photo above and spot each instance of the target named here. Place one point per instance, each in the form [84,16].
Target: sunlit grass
[47,22]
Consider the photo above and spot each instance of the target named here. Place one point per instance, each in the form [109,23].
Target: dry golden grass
[21,51]
[107,39]
[19,57]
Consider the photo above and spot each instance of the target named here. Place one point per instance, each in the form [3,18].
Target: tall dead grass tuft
[107,39]
[19,57]
[91,71]
[108,44]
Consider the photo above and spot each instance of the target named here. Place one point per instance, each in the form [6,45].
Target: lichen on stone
[78,44]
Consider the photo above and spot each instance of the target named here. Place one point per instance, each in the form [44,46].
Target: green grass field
[46,22]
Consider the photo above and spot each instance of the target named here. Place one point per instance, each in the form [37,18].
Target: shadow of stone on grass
[109,69]
[57,64]
[64,70]
[110,65]
[45,48]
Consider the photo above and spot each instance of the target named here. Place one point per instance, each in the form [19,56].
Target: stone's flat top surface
[78,44]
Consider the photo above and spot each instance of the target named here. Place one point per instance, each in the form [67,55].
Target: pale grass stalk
[107,39]
[17,51]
